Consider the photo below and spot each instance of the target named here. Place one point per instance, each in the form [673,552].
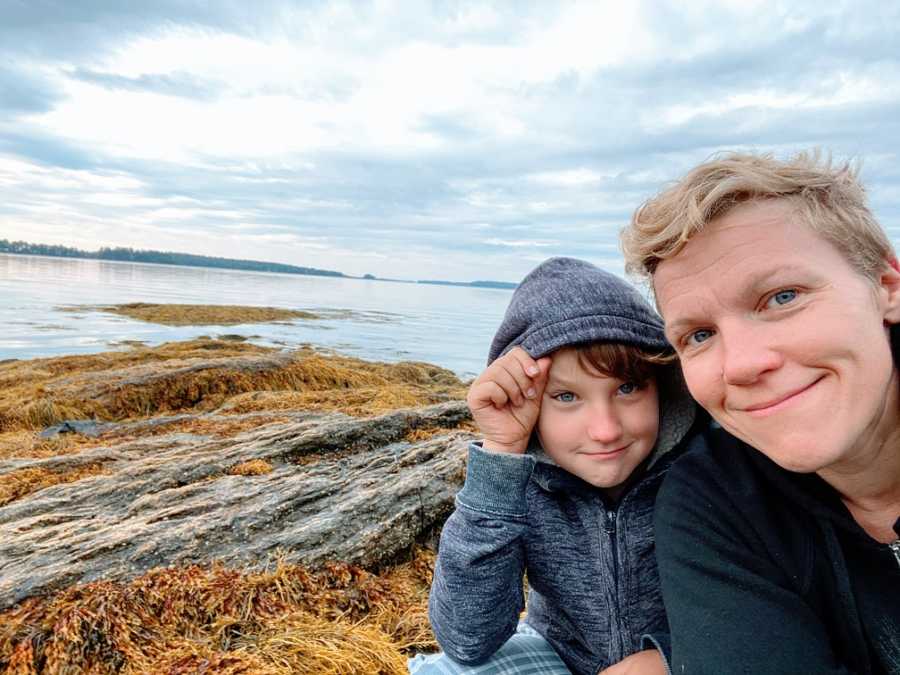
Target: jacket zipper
[611,531]
[895,547]
[610,528]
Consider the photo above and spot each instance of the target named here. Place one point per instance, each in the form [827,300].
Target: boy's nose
[604,426]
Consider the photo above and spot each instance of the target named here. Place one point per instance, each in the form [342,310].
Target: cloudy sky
[416,139]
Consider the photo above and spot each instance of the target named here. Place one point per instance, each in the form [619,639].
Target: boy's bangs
[621,361]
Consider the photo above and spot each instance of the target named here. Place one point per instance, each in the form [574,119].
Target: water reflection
[448,325]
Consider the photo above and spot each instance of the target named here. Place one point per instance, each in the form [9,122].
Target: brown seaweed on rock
[264,415]
[24,481]
[198,315]
[339,619]
[199,376]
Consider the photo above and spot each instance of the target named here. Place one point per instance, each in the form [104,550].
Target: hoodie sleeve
[731,607]
[477,595]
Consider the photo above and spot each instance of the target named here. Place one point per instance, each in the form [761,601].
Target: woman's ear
[889,285]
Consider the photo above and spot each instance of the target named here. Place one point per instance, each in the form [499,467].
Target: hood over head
[565,302]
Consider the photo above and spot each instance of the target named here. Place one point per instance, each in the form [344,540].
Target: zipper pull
[611,529]
[895,547]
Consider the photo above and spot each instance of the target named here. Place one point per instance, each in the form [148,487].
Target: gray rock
[341,488]
[88,428]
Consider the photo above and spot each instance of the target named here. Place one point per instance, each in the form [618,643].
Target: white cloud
[518,244]
[568,177]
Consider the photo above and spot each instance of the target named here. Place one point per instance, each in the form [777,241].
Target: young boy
[582,410]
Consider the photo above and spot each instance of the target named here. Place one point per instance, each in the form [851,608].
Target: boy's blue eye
[628,388]
[565,397]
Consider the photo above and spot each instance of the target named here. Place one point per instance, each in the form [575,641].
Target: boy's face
[596,427]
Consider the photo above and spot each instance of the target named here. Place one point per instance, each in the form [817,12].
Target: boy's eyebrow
[559,380]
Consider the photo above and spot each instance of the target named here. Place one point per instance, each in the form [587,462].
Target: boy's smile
[596,427]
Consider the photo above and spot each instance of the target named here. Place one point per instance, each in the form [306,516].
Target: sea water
[450,326]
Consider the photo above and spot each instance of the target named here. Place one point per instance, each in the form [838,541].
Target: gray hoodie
[593,585]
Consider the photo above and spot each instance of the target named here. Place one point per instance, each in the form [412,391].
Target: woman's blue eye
[565,397]
[628,388]
[783,297]
[699,336]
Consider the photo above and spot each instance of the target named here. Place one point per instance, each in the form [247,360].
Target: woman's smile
[782,402]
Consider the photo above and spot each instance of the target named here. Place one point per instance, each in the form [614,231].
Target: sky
[419,140]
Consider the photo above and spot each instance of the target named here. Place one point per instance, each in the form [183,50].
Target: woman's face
[782,341]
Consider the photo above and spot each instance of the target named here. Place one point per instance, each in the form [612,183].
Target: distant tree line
[158,257]
[475,284]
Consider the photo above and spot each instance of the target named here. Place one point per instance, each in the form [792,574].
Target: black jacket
[765,571]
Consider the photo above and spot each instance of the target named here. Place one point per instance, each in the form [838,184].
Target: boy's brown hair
[622,361]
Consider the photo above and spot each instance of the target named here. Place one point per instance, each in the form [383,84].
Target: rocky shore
[213,506]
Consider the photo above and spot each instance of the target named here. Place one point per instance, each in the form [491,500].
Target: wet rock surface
[84,427]
[340,487]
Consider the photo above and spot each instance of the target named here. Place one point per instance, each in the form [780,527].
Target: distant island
[159,258]
[191,260]
[476,284]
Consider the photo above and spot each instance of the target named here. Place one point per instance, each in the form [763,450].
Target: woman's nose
[746,354]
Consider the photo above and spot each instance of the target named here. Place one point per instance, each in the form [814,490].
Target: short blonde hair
[827,198]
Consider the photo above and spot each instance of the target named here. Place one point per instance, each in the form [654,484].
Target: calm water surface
[447,325]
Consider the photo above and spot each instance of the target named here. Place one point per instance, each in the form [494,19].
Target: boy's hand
[505,400]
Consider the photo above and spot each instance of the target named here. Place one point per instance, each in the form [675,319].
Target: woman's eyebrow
[757,282]
[677,327]
[767,276]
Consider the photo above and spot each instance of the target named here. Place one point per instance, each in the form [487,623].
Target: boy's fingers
[499,396]
[524,368]
[509,374]
[515,381]
[543,365]
[486,386]
[529,365]
[540,381]
[486,393]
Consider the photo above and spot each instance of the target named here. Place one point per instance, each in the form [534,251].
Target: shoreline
[330,274]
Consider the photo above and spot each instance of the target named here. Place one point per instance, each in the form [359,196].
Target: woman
[779,542]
